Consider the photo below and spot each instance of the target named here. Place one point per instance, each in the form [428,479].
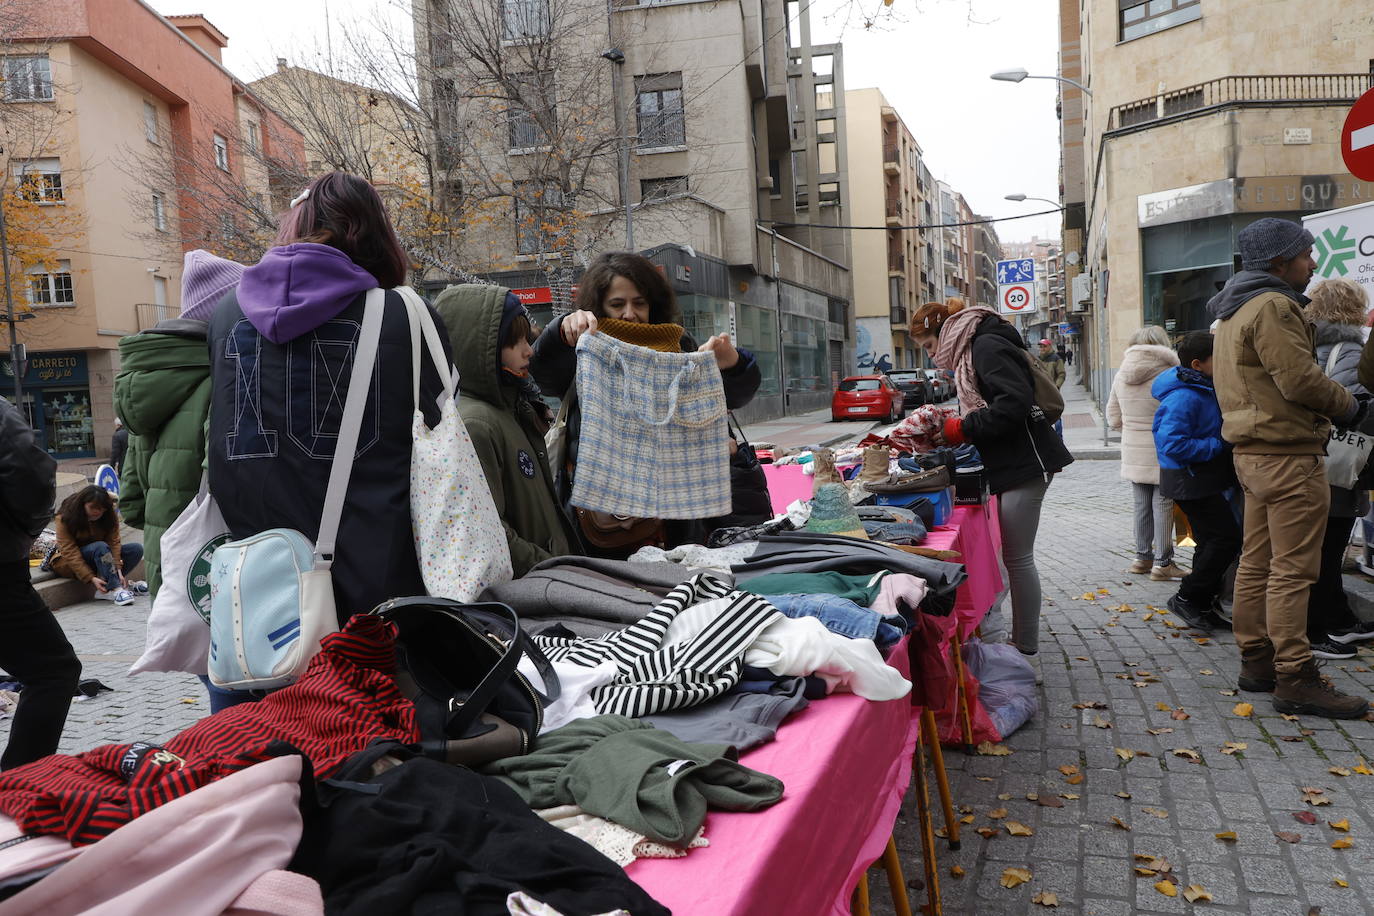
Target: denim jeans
[913,532]
[224,697]
[98,558]
[842,616]
[34,651]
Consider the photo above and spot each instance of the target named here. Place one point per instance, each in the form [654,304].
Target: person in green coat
[490,332]
[162,394]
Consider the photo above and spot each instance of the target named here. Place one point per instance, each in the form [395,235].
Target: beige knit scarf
[955,351]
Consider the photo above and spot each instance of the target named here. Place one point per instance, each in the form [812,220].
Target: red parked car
[867,396]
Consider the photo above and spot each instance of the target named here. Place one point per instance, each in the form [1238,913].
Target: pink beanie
[205,278]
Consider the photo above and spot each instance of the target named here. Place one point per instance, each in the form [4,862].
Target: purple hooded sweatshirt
[296,288]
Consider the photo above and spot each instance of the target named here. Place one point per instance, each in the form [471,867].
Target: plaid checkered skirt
[653,442]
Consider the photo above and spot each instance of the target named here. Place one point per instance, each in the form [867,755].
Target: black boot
[1195,617]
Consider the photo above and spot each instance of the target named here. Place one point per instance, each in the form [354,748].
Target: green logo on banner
[1334,251]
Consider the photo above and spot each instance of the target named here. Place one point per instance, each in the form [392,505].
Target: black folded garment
[804,551]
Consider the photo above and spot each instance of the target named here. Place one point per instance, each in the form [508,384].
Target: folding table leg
[965,722]
[932,874]
[931,733]
[858,904]
[896,882]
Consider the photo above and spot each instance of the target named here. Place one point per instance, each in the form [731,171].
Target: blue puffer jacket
[1194,461]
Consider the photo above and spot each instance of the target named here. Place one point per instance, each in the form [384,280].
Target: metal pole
[622,131]
[9,314]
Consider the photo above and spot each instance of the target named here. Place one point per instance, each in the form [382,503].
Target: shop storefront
[57,401]
[1188,236]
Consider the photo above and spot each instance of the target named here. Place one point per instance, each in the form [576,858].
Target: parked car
[913,384]
[867,395]
[941,386]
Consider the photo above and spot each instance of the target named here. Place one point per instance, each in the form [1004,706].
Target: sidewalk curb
[1096,454]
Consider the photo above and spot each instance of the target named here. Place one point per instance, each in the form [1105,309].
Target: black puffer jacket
[1016,441]
[28,485]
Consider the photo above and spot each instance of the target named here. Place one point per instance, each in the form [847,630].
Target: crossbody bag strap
[422,326]
[1332,357]
[735,424]
[359,387]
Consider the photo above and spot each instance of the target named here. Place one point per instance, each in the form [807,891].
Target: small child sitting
[1195,471]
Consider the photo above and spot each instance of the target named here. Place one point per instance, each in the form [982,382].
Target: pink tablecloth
[973,531]
[845,763]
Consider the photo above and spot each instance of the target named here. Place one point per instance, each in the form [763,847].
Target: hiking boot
[1257,669]
[1165,573]
[1139,567]
[824,461]
[1307,693]
[875,466]
[1189,613]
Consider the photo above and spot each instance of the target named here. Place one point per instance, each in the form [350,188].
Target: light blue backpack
[272,595]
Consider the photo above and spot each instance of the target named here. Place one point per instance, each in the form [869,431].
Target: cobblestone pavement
[1094,652]
[1116,652]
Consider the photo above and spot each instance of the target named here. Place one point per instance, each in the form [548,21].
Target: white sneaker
[123,598]
[1034,661]
[105,596]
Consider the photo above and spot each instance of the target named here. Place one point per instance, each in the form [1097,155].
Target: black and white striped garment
[654,679]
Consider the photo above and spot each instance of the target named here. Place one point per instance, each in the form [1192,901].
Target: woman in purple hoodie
[281,354]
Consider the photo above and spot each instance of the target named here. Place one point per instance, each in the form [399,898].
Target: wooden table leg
[896,882]
[922,799]
[931,734]
[858,904]
[965,720]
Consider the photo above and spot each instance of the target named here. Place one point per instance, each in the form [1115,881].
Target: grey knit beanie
[1264,240]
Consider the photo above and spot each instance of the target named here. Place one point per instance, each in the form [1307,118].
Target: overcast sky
[931,58]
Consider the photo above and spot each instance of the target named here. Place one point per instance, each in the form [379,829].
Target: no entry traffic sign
[1357,138]
[1017,298]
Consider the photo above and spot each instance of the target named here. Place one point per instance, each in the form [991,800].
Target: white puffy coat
[1131,409]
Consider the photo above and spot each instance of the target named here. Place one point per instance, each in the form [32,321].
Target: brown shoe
[1139,567]
[1257,669]
[824,461]
[1308,693]
[1165,573]
[876,464]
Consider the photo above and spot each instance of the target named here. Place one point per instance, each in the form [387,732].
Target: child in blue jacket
[1195,471]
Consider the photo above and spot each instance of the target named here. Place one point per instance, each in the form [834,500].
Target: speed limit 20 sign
[1016,287]
[1017,299]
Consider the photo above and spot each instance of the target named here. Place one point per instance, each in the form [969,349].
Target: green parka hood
[472,314]
[160,369]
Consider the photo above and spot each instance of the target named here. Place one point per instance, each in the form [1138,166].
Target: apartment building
[957,245]
[1205,115]
[889,185]
[125,128]
[987,251]
[710,136]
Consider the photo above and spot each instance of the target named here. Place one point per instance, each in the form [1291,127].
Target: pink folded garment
[898,588]
[193,856]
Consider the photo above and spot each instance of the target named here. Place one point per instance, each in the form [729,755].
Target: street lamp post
[1016,76]
[1021,197]
[617,59]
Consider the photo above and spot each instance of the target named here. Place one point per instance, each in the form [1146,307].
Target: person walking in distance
[1053,364]
[1131,408]
[1276,408]
[33,648]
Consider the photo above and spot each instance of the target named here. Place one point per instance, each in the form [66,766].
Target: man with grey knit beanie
[1277,407]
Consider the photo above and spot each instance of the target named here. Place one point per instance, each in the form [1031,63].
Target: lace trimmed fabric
[619,844]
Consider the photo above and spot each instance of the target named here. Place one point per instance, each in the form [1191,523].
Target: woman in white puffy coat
[1131,409]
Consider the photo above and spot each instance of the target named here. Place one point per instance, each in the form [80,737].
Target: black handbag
[457,663]
[750,503]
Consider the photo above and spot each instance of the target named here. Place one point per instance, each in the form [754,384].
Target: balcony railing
[149,314]
[890,153]
[1309,89]
[897,315]
[896,263]
[894,207]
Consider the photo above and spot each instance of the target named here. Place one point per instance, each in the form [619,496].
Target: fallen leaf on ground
[1343,843]
[1046,898]
[1338,771]
[1012,877]
[1148,616]
[987,833]
[1231,747]
[1153,863]
[985,779]
[1081,658]
[1120,823]
[1103,591]
[1304,817]
[1157,812]
[1342,825]
[1004,796]
[1315,796]
[956,871]
[1125,754]
[1049,801]
[1091,704]
[941,832]
[1244,710]
[1187,753]
[1227,835]
[1016,828]
[1163,707]
[1195,892]
[1290,738]
[1087,596]
[1227,693]
[988,749]
[1166,888]
[1178,715]
[1068,769]
[997,813]
[1206,671]
[1363,769]
[1075,779]
[1288,837]
[1099,722]
[1069,795]
[1160,731]
[1340,882]
[1289,718]
[1123,795]
[966,819]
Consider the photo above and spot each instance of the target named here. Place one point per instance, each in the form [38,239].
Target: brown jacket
[1275,399]
[68,560]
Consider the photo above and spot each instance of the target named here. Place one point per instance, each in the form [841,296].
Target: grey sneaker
[1034,660]
[123,598]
